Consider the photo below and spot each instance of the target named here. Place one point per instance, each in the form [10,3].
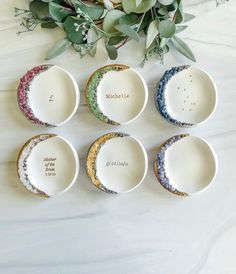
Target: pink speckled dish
[48,95]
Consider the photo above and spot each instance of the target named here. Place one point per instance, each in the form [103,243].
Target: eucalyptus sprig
[114,21]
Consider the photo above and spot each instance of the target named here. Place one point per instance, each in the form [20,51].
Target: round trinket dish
[116,94]
[48,165]
[48,95]
[185,165]
[117,163]
[186,96]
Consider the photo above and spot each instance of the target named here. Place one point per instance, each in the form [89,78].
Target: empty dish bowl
[48,95]
[185,165]
[48,165]
[186,96]
[116,94]
[117,163]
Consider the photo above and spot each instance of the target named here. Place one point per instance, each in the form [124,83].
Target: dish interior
[190,164]
[52,166]
[191,96]
[53,96]
[121,95]
[121,164]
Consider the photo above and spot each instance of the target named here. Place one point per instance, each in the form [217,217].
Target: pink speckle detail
[24,89]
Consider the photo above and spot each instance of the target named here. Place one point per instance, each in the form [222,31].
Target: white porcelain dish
[48,95]
[185,165]
[48,165]
[116,94]
[186,96]
[117,163]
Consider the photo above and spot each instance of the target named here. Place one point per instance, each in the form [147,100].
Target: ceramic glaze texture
[117,163]
[48,165]
[22,163]
[186,96]
[116,94]
[185,165]
[24,90]
[146,231]
[48,95]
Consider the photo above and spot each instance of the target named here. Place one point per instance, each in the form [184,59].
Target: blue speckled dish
[186,96]
[185,165]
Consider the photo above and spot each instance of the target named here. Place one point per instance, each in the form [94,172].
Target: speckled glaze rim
[159,165]
[92,157]
[160,96]
[91,92]
[23,156]
[24,90]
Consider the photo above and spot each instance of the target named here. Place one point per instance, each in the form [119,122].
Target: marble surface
[148,230]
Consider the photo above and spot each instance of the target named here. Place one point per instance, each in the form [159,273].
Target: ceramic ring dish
[185,165]
[186,96]
[116,94]
[48,95]
[117,163]
[48,165]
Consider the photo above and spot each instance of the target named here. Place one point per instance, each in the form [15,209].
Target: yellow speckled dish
[117,163]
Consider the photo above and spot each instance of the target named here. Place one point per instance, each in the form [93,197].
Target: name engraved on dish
[117,164]
[51,98]
[115,95]
[50,166]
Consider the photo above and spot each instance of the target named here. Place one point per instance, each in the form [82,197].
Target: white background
[145,231]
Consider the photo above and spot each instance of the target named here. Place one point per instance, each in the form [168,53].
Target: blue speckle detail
[160,165]
[160,96]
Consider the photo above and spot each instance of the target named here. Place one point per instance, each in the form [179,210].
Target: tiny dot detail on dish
[186,96]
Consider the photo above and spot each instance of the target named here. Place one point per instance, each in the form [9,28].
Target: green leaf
[163,11]
[178,17]
[93,50]
[112,52]
[115,40]
[166,2]
[128,31]
[188,17]
[166,28]
[108,4]
[180,28]
[151,33]
[70,29]
[49,25]
[111,20]
[179,14]
[128,19]
[138,2]
[172,7]
[39,9]
[183,48]
[94,12]
[57,49]
[92,35]
[58,12]
[130,6]
[60,25]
